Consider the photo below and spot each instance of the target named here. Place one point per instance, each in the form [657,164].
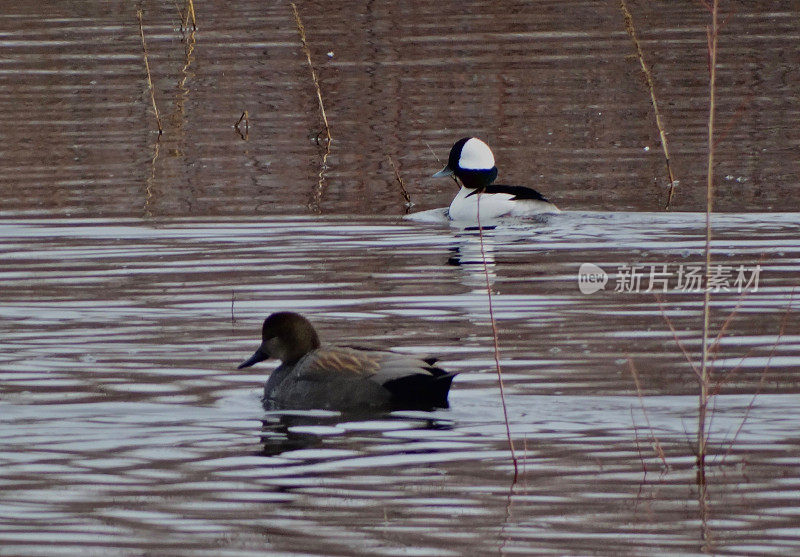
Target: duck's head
[286,336]
[472,162]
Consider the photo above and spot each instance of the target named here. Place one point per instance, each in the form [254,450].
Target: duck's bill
[258,356]
[444,173]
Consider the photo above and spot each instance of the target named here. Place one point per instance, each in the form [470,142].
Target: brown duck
[338,378]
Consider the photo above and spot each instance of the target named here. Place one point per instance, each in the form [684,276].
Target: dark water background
[135,271]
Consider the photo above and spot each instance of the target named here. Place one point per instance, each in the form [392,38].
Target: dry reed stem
[712,34]
[496,341]
[189,51]
[629,27]
[763,380]
[675,336]
[638,445]
[316,197]
[714,346]
[705,510]
[728,375]
[190,15]
[717,388]
[149,192]
[401,183]
[302,31]
[183,91]
[319,191]
[641,460]
[525,463]
[147,67]
[713,350]
[659,452]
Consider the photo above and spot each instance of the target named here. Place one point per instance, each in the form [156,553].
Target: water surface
[136,271]
[127,428]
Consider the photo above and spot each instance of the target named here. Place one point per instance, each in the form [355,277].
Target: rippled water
[551,86]
[136,271]
[126,427]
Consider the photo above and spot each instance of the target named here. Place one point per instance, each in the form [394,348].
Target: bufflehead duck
[472,162]
[337,378]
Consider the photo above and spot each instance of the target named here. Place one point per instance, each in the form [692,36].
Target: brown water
[136,271]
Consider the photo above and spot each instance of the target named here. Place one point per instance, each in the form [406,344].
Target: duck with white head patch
[472,162]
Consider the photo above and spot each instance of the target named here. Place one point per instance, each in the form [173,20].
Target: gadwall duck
[338,378]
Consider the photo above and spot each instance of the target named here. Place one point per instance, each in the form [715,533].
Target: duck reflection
[475,251]
[290,431]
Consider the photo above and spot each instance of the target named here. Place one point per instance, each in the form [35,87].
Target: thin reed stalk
[656,444]
[496,342]
[638,447]
[703,394]
[629,27]
[712,35]
[147,67]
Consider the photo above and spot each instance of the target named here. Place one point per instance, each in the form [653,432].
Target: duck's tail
[421,390]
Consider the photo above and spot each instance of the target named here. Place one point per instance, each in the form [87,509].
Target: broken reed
[246,119]
[302,31]
[626,14]
[401,183]
[316,197]
[147,67]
